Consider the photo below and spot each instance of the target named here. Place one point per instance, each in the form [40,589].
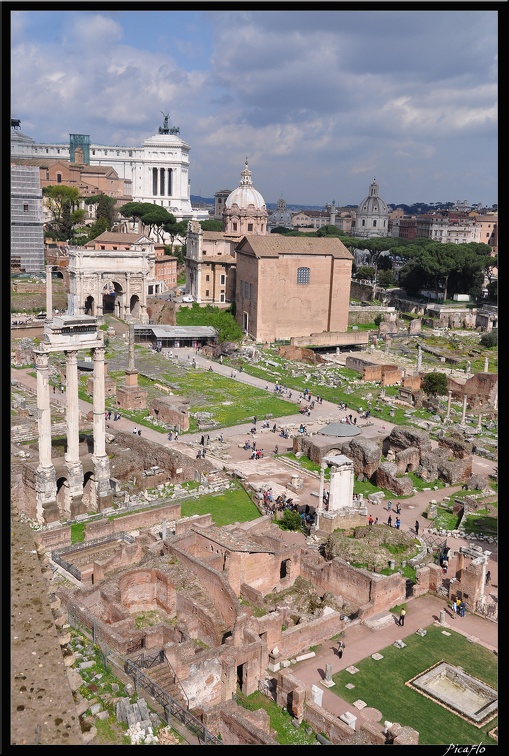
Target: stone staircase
[164,676]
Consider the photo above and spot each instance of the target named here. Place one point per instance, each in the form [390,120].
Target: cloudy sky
[320,102]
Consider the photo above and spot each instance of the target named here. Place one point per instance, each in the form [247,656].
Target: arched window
[302,275]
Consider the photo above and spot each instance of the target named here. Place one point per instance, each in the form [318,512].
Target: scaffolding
[27,234]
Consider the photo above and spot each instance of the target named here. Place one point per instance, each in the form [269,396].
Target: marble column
[45,478]
[449,397]
[49,294]
[479,419]
[43,408]
[127,294]
[100,458]
[419,358]
[486,365]
[72,457]
[99,402]
[464,413]
[99,308]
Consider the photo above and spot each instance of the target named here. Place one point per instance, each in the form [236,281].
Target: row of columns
[46,485]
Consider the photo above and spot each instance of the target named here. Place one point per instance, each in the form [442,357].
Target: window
[249,226]
[374,223]
[206,292]
[93,152]
[251,292]
[59,178]
[222,279]
[222,299]
[207,278]
[25,207]
[363,222]
[234,226]
[302,275]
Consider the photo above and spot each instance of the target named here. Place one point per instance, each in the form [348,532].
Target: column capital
[41,359]
[98,352]
[71,355]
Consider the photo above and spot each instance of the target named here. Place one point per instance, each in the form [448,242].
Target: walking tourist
[402,617]
[389,521]
[417,527]
[341,648]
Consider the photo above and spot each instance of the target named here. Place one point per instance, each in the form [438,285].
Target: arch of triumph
[128,270]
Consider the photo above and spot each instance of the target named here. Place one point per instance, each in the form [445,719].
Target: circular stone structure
[341,430]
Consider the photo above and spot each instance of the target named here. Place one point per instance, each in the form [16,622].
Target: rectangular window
[222,299]
[25,208]
[207,278]
[59,178]
[234,226]
[249,226]
[222,279]
[302,275]
[206,292]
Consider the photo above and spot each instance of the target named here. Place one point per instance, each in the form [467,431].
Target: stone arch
[90,307]
[89,491]
[135,307]
[113,298]
[63,497]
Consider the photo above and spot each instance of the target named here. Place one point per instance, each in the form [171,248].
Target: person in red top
[370,521]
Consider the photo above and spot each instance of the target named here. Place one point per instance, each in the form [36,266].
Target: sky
[320,102]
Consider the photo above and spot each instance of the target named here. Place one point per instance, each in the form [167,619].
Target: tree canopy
[211,225]
[435,384]
[451,268]
[62,202]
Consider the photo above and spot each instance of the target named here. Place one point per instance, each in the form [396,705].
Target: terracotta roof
[116,237]
[274,245]
[43,162]
[217,235]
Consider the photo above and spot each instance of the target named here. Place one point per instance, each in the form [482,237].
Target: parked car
[188,298]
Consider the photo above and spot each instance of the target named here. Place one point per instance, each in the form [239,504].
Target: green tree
[97,228]
[329,230]
[489,340]
[175,229]
[211,225]
[385,278]
[365,272]
[435,384]
[62,202]
[106,207]
[291,520]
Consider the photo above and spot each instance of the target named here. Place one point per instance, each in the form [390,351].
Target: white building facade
[158,170]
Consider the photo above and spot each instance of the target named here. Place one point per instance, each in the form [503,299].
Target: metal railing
[170,705]
[56,556]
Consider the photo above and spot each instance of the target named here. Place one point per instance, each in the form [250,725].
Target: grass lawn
[381,684]
[227,401]
[233,505]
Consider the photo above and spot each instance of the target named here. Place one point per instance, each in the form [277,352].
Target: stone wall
[358,587]
[332,338]
[219,591]
[171,410]
[301,354]
[60,537]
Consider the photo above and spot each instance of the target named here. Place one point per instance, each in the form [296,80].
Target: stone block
[349,719]
[376,656]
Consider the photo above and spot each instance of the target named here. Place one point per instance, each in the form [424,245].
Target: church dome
[372,214]
[245,195]
[373,204]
